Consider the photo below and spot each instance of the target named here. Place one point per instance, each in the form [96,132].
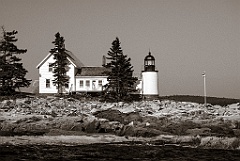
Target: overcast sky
[186,37]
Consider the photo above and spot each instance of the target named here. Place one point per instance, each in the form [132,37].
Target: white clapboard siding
[46,74]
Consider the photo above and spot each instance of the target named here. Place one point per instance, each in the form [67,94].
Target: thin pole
[205,90]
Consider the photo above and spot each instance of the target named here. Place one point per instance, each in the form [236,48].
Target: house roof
[72,58]
[92,71]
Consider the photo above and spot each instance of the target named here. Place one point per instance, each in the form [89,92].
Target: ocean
[113,152]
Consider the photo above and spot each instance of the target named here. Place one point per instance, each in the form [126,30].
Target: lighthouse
[149,78]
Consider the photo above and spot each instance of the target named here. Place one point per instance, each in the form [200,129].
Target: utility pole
[205,90]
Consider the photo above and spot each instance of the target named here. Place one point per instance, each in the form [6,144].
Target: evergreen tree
[60,66]
[120,76]
[12,72]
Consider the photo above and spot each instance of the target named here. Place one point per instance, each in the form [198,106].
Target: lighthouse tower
[149,78]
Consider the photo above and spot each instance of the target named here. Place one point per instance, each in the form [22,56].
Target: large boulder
[93,127]
[129,130]
[110,114]
[31,129]
[7,129]
[221,131]
[147,132]
[104,126]
[132,116]
[198,131]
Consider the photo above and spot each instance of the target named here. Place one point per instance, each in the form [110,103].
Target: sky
[186,37]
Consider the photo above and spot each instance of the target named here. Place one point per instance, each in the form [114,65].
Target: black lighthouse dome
[149,62]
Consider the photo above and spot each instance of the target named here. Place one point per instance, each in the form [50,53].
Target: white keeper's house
[81,78]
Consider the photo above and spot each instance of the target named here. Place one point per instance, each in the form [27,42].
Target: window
[94,84]
[88,83]
[149,62]
[50,68]
[100,83]
[47,83]
[81,83]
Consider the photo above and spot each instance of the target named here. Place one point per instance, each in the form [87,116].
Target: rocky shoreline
[168,121]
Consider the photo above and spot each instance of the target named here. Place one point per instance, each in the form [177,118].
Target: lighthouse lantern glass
[149,63]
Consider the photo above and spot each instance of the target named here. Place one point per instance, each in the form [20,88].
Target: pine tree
[60,66]
[120,77]
[12,72]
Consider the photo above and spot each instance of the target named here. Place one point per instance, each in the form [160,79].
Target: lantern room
[149,62]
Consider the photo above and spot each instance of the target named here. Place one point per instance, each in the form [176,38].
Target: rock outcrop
[54,115]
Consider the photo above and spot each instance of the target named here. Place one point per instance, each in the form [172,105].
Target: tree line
[13,75]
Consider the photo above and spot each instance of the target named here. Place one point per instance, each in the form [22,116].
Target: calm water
[113,152]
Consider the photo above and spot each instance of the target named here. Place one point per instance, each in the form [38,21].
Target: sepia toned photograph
[109,80]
